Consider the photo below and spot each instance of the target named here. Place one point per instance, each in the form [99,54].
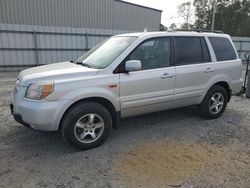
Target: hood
[54,72]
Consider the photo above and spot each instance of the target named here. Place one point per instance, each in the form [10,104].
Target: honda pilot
[124,76]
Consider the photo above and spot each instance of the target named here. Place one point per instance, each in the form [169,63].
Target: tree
[163,27]
[186,26]
[173,26]
[231,16]
[185,11]
[203,12]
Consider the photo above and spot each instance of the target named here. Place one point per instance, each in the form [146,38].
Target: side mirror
[132,65]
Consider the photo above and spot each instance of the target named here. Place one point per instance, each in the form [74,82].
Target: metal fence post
[35,47]
[87,41]
[240,48]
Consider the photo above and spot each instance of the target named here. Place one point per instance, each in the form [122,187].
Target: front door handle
[209,70]
[167,75]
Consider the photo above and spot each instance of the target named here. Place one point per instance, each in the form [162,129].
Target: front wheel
[86,125]
[214,103]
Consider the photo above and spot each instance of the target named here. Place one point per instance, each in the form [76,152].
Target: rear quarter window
[223,48]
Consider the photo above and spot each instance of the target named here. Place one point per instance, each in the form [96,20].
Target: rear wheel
[86,125]
[214,103]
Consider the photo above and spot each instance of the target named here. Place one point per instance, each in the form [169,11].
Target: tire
[214,97]
[86,125]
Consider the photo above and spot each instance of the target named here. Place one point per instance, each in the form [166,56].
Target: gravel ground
[167,149]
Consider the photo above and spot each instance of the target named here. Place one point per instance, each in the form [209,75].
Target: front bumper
[40,115]
[18,118]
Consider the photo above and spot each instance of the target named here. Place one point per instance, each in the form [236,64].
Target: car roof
[174,33]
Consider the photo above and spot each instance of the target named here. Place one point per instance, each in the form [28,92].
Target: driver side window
[153,53]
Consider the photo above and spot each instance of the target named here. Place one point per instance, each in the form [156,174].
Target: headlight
[39,91]
[17,87]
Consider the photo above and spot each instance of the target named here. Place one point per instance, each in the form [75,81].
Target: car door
[152,88]
[193,69]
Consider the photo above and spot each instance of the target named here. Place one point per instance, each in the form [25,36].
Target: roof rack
[197,30]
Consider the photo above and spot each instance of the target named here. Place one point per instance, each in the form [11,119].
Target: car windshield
[105,53]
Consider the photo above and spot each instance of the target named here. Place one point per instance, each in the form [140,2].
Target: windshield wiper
[83,64]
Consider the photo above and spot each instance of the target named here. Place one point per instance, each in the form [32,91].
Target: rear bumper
[236,86]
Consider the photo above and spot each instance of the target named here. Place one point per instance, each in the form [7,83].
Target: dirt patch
[164,163]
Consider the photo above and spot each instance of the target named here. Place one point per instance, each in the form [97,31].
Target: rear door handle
[208,70]
[167,75]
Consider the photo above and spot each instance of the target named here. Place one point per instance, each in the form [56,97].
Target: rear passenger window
[223,48]
[191,50]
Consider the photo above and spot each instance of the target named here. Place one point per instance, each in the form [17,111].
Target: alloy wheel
[89,128]
[216,103]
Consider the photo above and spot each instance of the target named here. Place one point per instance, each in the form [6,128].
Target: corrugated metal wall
[104,14]
[35,32]
[47,44]
[21,46]
[242,44]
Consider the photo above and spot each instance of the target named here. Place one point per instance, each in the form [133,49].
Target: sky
[169,8]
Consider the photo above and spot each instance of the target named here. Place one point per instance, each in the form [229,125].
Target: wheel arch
[226,86]
[105,102]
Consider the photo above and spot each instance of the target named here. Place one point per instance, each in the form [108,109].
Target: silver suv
[128,75]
